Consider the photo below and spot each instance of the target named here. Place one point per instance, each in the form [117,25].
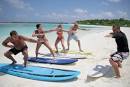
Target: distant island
[106,22]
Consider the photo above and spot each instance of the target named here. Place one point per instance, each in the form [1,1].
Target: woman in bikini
[60,38]
[40,34]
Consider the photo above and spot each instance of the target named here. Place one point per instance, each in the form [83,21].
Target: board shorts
[119,56]
[16,51]
[74,37]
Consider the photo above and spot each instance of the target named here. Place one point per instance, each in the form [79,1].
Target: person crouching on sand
[122,49]
[18,45]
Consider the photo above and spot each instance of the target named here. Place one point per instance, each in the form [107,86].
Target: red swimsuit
[60,34]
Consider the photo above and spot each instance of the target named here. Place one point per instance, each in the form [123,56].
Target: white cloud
[80,11]
[57,16]
[21,17]
[37,14]
[108,14]
[71,16]
[122,14]
[116,1]
[104,15]
[0,9]
[60,17]
[81,15]
[20,4]
[105,3]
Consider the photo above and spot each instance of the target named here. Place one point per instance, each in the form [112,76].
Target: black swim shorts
[16,51]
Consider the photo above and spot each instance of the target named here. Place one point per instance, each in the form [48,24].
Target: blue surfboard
[59,61]
[38,73]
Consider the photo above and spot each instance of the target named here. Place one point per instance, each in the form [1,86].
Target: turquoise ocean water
[28,28]
[24,28]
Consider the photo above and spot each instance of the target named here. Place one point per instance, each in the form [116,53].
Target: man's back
[121,41]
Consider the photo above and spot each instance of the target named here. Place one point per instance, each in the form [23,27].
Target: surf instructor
[17,45]
[122,49]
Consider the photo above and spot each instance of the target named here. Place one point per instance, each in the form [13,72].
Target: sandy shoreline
[94,42]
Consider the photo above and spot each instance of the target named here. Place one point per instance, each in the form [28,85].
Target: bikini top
[40,32]
[60,33]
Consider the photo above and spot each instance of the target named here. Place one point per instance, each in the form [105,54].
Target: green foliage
[107,22]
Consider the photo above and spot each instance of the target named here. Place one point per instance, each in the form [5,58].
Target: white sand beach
[92,41]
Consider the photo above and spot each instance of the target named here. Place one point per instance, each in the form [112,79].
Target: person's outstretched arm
[29,39]
[109,35]
[65,31]
[50,30]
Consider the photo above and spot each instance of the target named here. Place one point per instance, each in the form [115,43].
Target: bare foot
[13,63]
[67,49]
[57,52]
[81,50]
[117,76]
[25,64]
[64,51]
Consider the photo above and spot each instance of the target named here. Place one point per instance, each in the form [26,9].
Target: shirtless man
[18,45]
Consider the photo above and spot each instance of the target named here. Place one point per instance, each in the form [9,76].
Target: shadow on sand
[1,74]
[66,81]
[108,74]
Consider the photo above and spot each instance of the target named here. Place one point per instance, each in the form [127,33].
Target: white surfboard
[64,55]
[99,70]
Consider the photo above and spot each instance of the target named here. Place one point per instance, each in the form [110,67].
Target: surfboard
[38,73]
[59,61]
[78,52]
[75,52]
[64,55]
[99,70]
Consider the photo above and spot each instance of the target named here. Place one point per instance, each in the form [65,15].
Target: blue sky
[62,10]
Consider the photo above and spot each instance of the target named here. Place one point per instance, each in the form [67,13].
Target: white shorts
[74,37]
[119,56]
